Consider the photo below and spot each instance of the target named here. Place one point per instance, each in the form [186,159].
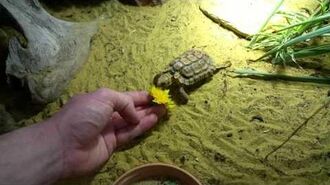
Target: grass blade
[255,37]
[310,35]
[251,73]
[296,40]
[314,20]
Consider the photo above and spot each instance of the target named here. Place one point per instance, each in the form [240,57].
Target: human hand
[91,126]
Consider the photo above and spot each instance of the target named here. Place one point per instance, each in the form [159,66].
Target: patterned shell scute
[193,66]
[176,65]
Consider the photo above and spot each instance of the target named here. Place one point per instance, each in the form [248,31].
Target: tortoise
[191,68]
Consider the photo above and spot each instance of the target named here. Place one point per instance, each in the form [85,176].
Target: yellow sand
[212,136]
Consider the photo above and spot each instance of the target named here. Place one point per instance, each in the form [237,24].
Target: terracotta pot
[156,170]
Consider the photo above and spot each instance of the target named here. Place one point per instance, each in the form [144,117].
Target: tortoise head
[164,80]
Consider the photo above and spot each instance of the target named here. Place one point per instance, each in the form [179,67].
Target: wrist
[54,150]
[31,155]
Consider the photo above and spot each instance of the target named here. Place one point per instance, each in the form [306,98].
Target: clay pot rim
[156,170]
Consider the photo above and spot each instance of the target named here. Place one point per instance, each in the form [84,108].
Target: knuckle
[125,105]
[104,91]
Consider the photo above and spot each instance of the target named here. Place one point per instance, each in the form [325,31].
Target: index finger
[140,98]
[130,132]
[120,103]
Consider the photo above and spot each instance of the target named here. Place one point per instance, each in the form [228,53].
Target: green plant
[303,34]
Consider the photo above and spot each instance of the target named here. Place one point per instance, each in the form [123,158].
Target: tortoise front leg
[183,95]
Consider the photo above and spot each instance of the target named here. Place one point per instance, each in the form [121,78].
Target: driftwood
[55,49]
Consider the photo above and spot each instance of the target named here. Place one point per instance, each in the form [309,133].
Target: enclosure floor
[214,136]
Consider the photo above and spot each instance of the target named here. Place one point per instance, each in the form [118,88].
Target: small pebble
[257,118]
[328,154]
[183,159]
[219,157]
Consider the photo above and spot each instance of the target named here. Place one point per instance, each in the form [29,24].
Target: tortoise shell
[191,67]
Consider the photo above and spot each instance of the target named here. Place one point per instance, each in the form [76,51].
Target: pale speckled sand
[212,136]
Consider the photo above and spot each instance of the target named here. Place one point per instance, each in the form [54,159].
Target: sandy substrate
[214,136]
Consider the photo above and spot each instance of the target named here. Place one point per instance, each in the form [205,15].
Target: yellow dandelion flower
[162,97]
